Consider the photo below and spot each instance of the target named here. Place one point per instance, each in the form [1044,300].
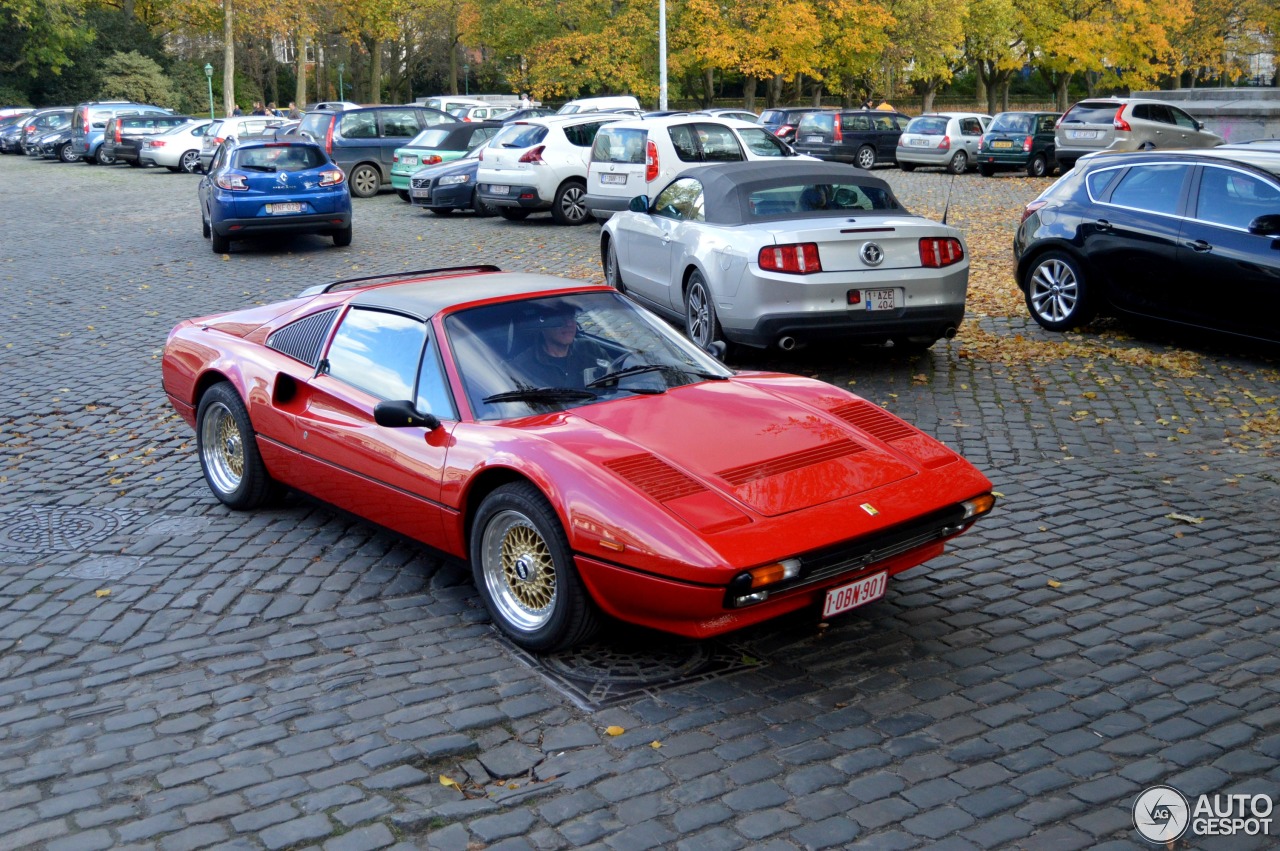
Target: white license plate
[409,160]
[499,190]
[921,143]
[420,193]
[284,207]
[855,594]
[1083,134]
[881,299]
[1002,143]
[812,140]
[613,179]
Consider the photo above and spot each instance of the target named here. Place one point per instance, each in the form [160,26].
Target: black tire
[1057,293]
[403,195]
[865,158]
[204,226]
[342,238]
[612,271]
[1038,166]
[523,568]
[479,207]
[228,450]
[365,180]
[700,321]
[189,162]
[569,206]
[175,169]
[986,170]
[442,211]
[514,214]
[908,167]
[959,163]
[221,244]
[67,154]
[135,163]
[106,159]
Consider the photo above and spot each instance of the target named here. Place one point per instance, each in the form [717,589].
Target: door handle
[1199,245]
[1102,225]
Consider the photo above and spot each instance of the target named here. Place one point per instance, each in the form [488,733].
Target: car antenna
[946,207]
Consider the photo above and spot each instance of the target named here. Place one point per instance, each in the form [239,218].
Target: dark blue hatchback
[262,186]
[451,186]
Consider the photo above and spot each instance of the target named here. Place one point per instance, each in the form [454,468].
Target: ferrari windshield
[534,356]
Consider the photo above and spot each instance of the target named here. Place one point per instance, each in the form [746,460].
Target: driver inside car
[560,356]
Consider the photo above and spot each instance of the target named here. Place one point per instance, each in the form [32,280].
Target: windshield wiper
[641,368]
[541,394]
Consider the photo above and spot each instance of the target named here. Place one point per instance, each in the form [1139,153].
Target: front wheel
[523,568]
[866,157]
[479,207]
[569,206]
[513,214]
[959,163]
[442,211]
[365,181]
[67,154]
[1038,167]
[403,194]
[1057,294]
[228,450]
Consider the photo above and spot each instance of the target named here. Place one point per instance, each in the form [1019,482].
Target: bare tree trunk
[1063,88]
[775,90]
[708,87]
[928,90]
[300,90]
[817,93]
[980,91]
[749,93]
[1004,94]
[228,59]
[375,71]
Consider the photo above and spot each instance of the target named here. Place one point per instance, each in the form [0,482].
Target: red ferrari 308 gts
[583,456]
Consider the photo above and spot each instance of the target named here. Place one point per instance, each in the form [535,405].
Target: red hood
[752,446]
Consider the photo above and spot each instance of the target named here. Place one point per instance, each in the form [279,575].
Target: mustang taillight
[936,252]
[233,182]
[798,259]
[1026,145]
[650,161]
[1119,123]
[533,155]
[331,177]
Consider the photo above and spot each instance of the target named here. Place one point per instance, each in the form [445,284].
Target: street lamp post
[662,54]
[341,87]
[208,75]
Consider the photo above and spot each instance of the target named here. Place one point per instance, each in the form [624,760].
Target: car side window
[583,135]
[1046,124]
[1233,198]
[763,143]
[855,123]
[682,200]
[970,127]
[1182,119]
[433,387]
[359,125]
[378,352]
[682,139]
[718,144]
[1153,188]
[400,122]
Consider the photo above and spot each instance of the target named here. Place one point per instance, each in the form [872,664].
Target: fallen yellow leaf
[655,744]
[1053,583]
[102,592]
[448,781]
[614,730]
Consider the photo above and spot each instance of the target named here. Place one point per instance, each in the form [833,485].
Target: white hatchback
[946,139]
[541,164]
[640,156]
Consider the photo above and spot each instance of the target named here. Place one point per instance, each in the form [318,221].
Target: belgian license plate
[284,207]
[420,193]
[881,299]
[855,594]
[614,179]
[812,140]
[409,160]
[1002,143]
[1083,134]
[499,190]
[920,143]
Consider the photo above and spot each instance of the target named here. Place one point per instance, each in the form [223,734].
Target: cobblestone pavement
[177,676]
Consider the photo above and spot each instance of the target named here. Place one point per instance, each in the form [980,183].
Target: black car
[55,145]
[863,137]
[1181,236]
[450,186]
[125,134]
[1019,140]
[782,121]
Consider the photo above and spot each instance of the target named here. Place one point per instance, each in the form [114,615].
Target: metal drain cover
[617,670]
[51,530]
[104,567]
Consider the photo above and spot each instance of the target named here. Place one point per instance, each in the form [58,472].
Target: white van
[596,104]
[447,103]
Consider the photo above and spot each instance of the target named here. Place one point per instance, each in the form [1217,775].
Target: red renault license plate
[855,594]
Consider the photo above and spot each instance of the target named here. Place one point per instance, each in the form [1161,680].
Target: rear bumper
[1005,159]
[525,197]
[310,223]
[853,326]
[604,206]
[925,156]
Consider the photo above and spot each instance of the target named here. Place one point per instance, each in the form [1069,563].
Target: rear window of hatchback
[519,136]
[1086,112]
[928,125]
[817,122]
[273,158]
[620,145]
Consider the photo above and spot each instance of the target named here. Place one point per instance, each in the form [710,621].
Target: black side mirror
[1266,225]
[402,414]
[639,204]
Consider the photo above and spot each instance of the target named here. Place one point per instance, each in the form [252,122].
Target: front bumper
[309,223]
[453,196]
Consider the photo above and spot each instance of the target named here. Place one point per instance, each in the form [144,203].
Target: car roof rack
[319,289]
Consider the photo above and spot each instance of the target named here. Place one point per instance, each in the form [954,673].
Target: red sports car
[583,455]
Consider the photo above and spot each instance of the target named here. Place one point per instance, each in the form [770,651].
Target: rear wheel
[204,226]
[342,238]
[513,214]
[1057,293]
[907,166]
[700,321]
[442,211]
[1038,167]
[959,163]
[523,568]
[365,181]
[613,274]
[190,162]
[106,159]
[985,170]
[569,206]
[221,244]
[228,450]
[866,157]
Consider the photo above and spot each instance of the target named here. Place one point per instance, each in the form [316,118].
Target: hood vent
[747,473]
[876,422]
[655,477]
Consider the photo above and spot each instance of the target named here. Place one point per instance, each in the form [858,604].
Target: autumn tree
[926,43]
[994,45]
[853,36]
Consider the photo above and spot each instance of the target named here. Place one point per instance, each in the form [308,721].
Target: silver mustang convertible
[781,253]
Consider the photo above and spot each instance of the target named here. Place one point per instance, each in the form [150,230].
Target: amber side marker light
[978,506]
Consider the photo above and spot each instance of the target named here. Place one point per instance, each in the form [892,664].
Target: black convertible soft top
[728,186]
